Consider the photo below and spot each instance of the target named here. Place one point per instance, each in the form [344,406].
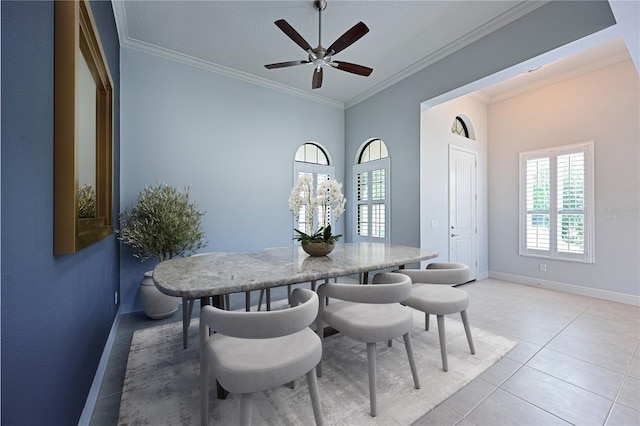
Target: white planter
[156,304]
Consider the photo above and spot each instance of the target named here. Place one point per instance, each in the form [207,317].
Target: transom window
[374,150]
[371,189]
[311,153]
[459,127]
[556,203]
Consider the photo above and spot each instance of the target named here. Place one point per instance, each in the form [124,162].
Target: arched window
[462,126]
[459,127]
[311,153]
[311,160]
[371,191]
[374,150]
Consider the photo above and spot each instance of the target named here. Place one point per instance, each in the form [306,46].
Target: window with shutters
[556,203]
[371,189]
[312,160]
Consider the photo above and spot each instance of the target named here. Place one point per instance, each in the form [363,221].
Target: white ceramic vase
[156,304]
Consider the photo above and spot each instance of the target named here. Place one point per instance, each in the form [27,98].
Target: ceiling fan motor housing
[320,5]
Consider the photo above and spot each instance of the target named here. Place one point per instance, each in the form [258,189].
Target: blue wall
[57,311]
[232,141]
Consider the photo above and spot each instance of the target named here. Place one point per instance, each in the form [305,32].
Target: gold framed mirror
[83,135]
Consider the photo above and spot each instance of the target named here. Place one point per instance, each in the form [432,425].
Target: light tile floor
[577,361]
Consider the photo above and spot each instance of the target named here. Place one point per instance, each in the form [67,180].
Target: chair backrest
[264,325]
[439,273]
[387,288]
[389,278]
[447,265]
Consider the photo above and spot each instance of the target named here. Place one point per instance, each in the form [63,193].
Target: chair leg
[260,298]
[246,407]
[247,301]
[320,332]
[289,294]
[412,362]
[371,358]
[312,382]
[467,330]
[426,321]
[443,342]
[268,292]
[187,310]
[204,388]
[185,322]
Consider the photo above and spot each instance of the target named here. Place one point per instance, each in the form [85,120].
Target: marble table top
[223,273]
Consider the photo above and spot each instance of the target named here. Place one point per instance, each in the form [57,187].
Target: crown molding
[228,72]
[127,41]
[496,23]
[555,78]
[480,96]
[121,20]
[511,15]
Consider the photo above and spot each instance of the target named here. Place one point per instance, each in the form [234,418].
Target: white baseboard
[482,275]
[612,296]
[92,398]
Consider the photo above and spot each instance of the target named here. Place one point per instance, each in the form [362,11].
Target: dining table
[222,273]
[210,276]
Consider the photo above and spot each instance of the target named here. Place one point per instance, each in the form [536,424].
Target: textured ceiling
[404,36]
[238,38]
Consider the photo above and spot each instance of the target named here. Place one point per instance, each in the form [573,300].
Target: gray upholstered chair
[369,313]
[441,300]
[255,351]
[429,295]
[449,273]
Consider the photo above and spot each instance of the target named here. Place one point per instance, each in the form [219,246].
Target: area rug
[161,381]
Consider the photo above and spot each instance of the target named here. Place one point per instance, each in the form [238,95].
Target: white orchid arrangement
[328,198]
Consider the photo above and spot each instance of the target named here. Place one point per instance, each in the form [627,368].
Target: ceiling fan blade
[317,78]
[293,34]
[285,64]
[348,38]
[352,68]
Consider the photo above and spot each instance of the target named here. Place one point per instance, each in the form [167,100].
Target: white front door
[463,231]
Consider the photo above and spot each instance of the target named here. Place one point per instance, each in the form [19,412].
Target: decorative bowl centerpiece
[327,204]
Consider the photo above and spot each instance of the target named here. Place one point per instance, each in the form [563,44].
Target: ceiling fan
[321,57]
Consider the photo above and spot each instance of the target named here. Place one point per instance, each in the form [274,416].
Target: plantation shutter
[556,203]
[371,189]
[538,205]
[570,206]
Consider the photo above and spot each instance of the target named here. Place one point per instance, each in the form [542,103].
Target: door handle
[454,235]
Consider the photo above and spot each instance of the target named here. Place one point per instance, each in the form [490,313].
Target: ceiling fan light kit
[319,56]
